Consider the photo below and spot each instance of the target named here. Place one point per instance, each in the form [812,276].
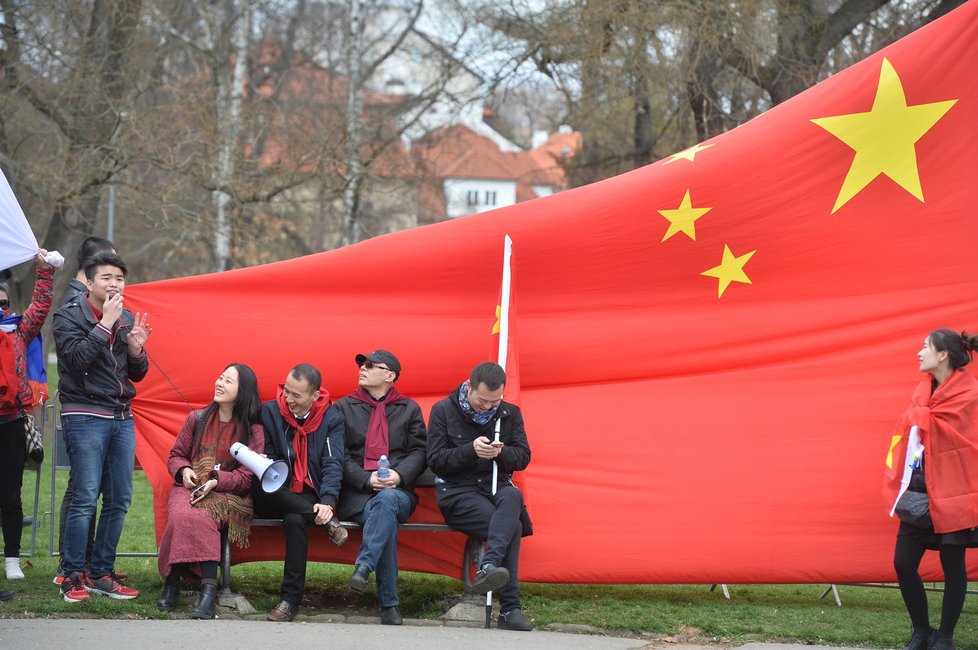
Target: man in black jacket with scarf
[303,429]
[380,421]
[461,451]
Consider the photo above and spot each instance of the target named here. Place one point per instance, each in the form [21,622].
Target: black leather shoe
[168,601]
[939,641]
[283,612]
[919,640]
[205,608]
[514,620]
[391,616]
[358,581]
[7,595]
[489,578]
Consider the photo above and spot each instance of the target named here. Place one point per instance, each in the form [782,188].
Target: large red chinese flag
[713,349]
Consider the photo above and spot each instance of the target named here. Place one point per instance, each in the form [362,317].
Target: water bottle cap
[383,457]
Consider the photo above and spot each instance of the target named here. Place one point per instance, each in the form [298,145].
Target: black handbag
[913,508]
[34,442]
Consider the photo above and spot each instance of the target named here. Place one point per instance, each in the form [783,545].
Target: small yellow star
[499,316]
[884,138]
[687,154]
[889,456]
[683,219]
[731,269]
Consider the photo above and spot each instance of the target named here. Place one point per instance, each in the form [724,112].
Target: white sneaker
[12,566]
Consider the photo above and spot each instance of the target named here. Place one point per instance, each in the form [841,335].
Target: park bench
[424,487]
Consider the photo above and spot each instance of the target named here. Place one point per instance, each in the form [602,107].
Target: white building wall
[469,196]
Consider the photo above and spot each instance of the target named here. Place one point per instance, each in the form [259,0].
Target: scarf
[211,447]
[378,439]
[300,442]
[948,421]
[471,413]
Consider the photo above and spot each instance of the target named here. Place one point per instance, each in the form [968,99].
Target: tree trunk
[230,91]
[354,116]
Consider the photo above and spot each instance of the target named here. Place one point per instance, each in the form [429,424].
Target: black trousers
[13,457]
[297,515]
[906,560]
[496,519]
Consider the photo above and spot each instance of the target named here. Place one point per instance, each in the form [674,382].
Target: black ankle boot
[205,608]
[168,601]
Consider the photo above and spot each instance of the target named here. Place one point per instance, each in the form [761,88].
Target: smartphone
[197,494]
[496,444]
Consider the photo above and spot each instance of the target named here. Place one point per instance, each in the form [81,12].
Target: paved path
[18,634]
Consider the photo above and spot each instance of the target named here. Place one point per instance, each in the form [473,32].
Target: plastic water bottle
[383,468]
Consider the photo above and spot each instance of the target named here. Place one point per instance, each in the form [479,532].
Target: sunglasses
[370,364]
[4,304]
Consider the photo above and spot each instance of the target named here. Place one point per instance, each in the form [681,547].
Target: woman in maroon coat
[211,490]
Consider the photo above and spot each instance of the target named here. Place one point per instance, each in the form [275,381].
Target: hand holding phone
[197,494]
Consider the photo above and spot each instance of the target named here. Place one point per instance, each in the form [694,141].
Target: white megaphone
[272,473]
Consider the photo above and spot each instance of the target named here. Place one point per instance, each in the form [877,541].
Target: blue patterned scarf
[475,416]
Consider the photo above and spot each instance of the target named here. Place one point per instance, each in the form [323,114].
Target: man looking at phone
[462,448]
[100,353]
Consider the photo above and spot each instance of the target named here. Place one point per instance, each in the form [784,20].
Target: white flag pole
[501,355]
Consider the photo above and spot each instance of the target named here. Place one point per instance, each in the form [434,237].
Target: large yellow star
[687,154]
[731,269]
[683,219]
[499,316]
[884,138]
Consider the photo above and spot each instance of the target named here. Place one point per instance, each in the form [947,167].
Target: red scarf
[300,443]
[377,443]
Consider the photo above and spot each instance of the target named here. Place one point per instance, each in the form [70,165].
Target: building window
[472,198]
[490,198]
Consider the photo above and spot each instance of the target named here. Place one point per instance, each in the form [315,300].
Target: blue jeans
[378,551]
[101,453]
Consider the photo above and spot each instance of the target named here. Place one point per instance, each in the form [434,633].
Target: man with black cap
[380,421]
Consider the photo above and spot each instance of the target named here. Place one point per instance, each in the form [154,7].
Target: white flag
[17,241]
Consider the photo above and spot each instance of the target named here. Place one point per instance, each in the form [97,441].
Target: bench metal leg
[225,563]
[472,556]
[723,588]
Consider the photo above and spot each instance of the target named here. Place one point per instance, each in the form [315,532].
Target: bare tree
[73,80]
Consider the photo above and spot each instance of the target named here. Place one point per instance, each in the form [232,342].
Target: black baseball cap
[381,356]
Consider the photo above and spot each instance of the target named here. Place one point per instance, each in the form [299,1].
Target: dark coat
[452,457]
[325,464]
[406,435]
[95,371]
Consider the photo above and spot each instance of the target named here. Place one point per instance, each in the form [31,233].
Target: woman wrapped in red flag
[211,489]
[16,404]
[944,407]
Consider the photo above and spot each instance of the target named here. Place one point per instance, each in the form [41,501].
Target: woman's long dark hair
[244,413]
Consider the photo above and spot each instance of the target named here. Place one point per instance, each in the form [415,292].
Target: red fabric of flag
[713,349]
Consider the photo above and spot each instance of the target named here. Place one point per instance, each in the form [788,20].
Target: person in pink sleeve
[211,489]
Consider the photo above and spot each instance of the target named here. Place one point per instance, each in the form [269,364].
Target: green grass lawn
[869,617]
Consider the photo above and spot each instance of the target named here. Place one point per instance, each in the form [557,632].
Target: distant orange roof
[459,152]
